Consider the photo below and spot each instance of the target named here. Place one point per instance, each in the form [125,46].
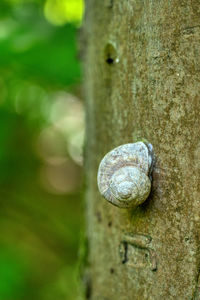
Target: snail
[124,174]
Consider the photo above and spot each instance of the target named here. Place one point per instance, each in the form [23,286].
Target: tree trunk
[142,68]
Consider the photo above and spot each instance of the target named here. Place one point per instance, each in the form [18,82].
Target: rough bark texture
[142,69]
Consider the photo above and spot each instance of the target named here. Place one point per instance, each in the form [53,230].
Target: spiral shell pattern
[123,175]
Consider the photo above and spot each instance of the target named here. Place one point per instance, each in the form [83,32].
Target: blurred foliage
[41,136]
[36,50]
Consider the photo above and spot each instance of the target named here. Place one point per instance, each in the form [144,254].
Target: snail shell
[123,175]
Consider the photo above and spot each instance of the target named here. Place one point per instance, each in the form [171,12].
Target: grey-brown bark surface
[142,69]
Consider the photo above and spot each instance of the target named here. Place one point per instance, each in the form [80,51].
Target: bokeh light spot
[61,178]
[59,12]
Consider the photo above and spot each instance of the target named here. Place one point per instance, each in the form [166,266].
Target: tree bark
[142,68]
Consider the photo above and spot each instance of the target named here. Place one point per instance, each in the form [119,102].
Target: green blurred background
[41,138]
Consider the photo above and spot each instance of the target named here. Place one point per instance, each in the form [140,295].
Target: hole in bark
[110,60]
[110,224]
[125,258]
[110,54]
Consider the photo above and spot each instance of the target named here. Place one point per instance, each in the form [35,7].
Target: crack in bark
[190,29]
[141,242]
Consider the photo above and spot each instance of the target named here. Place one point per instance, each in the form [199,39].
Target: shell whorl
[123,175]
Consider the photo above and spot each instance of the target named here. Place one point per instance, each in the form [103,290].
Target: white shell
[123,175]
